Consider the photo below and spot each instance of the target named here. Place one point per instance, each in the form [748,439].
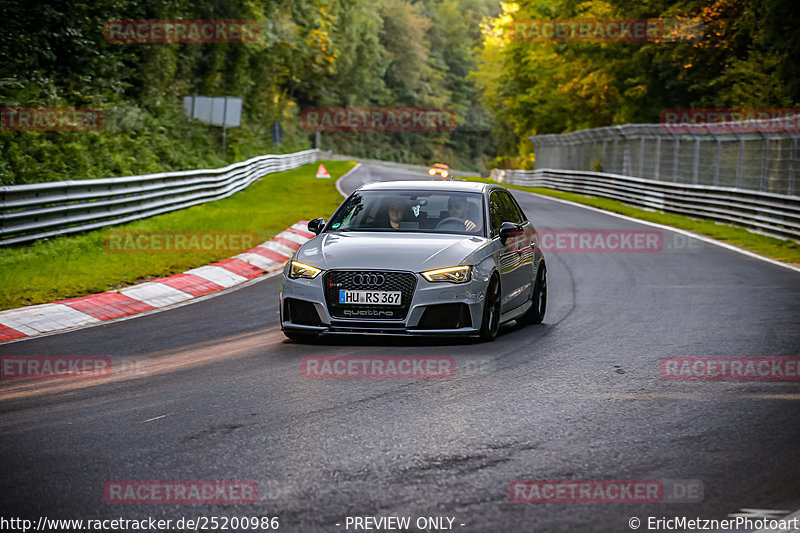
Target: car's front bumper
[440,309]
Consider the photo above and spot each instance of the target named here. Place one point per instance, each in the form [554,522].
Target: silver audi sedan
[416,258]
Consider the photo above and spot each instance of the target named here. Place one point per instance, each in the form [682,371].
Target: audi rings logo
[371,280]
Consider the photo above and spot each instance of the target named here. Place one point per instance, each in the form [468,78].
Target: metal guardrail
[39,210]
[760,155]
[36,211]
[769,213]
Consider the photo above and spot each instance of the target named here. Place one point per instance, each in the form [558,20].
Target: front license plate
[370,297]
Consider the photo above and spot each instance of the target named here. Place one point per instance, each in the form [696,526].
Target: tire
[298,336]
[490,324]
[535,314]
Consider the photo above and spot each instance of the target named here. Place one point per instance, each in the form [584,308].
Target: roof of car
[440,165]
[424,185]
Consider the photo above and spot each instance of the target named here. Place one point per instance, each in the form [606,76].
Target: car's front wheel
[491,310]
[535,314]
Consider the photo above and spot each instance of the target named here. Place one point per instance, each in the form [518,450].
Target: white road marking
[218,275]
[279,248]
[759,513]
[45,317]
[339,185]
[155,294]
[670,228]
[291,236]
[153,311]
[156,418]
[258,261]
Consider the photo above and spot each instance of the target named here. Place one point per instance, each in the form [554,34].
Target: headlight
[457,274]
[302,270]
[431,172]
[444,174]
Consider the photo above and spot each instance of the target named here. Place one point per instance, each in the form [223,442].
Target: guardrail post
[764,161]
[717,159]
[793,167]
[657,164]
[626,152]
[641,156]
[675,158]
[741,163]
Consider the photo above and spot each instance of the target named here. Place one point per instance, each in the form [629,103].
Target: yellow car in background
[439,168]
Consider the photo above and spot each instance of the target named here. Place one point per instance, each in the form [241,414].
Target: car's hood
[415,252]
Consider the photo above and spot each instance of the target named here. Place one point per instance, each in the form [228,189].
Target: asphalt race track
[213,391]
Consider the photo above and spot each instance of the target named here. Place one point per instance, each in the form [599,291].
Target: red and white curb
[86,310]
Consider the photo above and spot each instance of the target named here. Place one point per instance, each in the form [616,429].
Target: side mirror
[316,225]
[506,229]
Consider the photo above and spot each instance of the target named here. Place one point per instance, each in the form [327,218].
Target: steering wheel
[451,223]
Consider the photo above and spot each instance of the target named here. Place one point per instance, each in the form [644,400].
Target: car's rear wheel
[535,314]
[491,310]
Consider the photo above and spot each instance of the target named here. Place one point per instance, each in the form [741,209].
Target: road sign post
[277,134]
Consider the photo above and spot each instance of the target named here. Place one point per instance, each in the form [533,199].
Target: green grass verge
[70,266]
[784,250]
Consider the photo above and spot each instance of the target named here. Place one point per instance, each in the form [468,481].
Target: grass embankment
[70,266]
[784,250]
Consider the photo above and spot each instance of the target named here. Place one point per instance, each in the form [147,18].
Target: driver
[457,208]
[397,209]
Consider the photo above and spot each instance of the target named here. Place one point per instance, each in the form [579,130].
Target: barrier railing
[760,155]
[769,213]
[39,210]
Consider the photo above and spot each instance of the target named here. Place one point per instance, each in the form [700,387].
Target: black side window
[503,208]
[495,213]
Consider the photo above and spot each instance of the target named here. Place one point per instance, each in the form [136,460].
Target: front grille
[336,280]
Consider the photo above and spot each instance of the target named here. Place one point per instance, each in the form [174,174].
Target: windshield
[434,212]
